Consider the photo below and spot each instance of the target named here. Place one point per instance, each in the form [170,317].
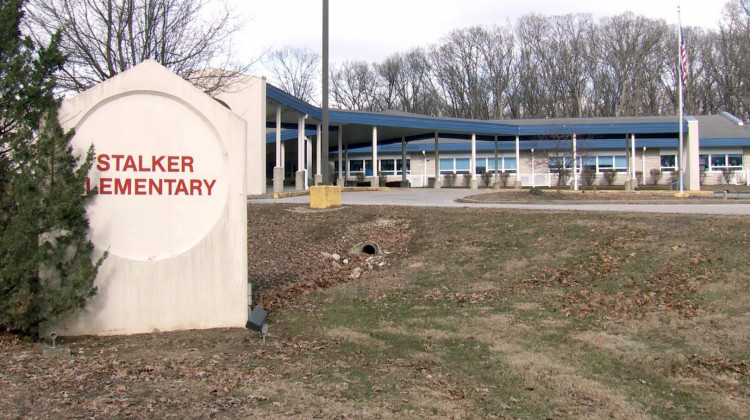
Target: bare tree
[732,72]
[459,73]
[629,48]
[531,93]
[354,86]
[552,66]
[102,38]
[406,83]
[498,56]
[296,71]
[557,64]
[700,94]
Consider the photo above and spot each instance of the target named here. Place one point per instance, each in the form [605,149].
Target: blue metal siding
[724,142]
[466,126]
[484,146]
[289,135]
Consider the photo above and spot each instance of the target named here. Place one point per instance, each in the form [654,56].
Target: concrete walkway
[447,198]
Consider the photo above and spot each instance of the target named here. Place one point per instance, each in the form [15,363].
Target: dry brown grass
[486,314]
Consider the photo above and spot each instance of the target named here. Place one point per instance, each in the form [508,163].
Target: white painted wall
[248,100]
[171,210]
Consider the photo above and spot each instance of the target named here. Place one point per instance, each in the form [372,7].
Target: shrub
[563,176]
[467,179]
[609,176]
[450,179]
[504,178]
[536,191]
[727,174]
[655,175]
[487,178]
[588,176]
[639,177]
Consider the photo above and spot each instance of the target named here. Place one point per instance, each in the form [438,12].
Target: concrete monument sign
[169,177]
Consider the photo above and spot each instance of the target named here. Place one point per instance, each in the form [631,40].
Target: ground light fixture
[258,321]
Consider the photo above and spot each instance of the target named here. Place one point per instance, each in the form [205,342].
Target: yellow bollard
[325,196]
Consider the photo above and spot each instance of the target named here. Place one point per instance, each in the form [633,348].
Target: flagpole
[681,160]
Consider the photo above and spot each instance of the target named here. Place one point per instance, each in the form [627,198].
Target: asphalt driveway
[447,198]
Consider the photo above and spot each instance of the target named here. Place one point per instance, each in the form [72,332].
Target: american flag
[683,60]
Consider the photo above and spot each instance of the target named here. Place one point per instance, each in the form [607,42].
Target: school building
[398,148]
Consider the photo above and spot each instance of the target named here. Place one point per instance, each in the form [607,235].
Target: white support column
[495,184]
[374,181]
[632,154]
[404,181]
[299,179]
[278,137]
[575,163]
[633,178]
[437,161]
[643,167]
[340,180]
[308,163]
[278,170]
[318,157]
[473,184]
[518,184]
[692,160]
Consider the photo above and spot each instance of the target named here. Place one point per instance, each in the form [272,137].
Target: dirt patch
[292,256]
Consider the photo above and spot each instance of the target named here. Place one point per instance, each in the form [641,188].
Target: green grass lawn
[536,315]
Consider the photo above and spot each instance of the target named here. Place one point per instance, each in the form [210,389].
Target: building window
[589,163]
[504,164]
[360,165]
[481,166]
[399,166]
[356,165]
[735,160]
[719,161]
[392,166]
[387,167]
[463,165]
[559,163]
[668,163]
[616,163]
[598,163]
[447,166]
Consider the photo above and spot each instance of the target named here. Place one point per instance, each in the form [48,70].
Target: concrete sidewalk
[446,197]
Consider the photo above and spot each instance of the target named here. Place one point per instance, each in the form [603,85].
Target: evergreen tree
[46,268]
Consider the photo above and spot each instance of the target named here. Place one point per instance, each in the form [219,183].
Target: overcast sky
[372,30]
